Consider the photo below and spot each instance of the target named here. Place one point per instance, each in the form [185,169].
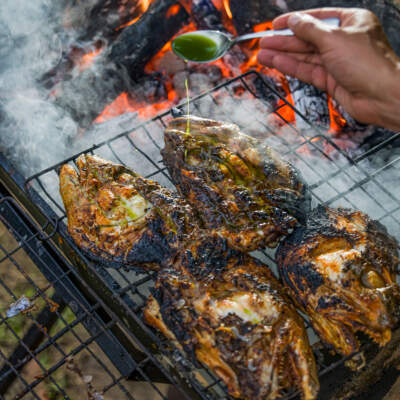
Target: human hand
[355,63]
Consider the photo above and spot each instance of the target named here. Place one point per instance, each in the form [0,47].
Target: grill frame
[89,312]
[105,285]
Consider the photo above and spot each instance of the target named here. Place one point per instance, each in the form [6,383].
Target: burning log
[103,18]
[114,71]
[139,42]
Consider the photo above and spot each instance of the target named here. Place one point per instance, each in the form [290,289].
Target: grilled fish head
[341,270]
[120,218]
[227,310]
[240,187]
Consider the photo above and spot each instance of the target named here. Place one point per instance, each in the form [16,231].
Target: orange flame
[224,8]
[173,10]
[140,9]
[337,122]
[124,104]
[227,8]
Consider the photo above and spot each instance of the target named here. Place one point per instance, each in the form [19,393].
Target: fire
[87,59]
[337,121]
[224,8]
[124,103]
[227,8]
[148,108]
[173,10]
[139,10]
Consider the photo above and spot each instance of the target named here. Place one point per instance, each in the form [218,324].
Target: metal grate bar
[123,294]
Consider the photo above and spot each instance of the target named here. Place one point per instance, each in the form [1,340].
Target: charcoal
[266,93]
[311,103]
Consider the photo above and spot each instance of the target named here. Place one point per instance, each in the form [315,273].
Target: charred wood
[246,14]
[206,16]
[139,42]
[99,19]
[86,94]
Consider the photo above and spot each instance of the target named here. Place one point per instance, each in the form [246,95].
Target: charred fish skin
[121,219]
[340,269]
[240,188]
[227,311]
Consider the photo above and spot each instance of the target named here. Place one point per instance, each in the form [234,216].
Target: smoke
[34,133]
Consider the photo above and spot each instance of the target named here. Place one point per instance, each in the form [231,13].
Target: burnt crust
[191,294]
[240,187]
[154,238]
[340,269]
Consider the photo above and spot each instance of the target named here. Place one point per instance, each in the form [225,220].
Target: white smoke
[34,133]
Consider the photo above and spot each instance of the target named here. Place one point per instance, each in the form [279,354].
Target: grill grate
[336,178]
[60,338]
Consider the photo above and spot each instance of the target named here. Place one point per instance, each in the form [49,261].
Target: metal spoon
[218,43]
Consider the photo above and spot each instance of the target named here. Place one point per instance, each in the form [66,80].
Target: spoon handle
[334,22]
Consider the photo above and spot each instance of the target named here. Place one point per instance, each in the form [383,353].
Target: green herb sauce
[195,47]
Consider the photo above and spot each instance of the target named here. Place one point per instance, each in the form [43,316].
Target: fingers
[314,74]
[310,29]
[286,43]
[281,22]
[265,57]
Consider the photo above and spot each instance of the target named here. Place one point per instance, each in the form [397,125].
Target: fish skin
[226,310]
[240,188]
[98,198]
[340,269]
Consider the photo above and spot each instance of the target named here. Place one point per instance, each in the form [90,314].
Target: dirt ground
[83,377]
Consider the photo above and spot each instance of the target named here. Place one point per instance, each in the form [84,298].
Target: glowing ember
[88,59]
[124,104]
[173,10]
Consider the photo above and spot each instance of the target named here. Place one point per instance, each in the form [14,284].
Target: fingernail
[294,19]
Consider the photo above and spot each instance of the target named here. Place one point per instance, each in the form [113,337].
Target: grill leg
[32,340]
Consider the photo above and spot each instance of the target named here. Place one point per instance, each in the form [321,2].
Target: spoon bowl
[202,46]
[207,45]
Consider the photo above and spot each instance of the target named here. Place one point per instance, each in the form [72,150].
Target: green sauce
[195,47]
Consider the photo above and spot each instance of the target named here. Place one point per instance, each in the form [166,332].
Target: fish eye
[372,279]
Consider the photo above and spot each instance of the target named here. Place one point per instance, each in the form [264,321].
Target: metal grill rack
[335,178]
[56,330]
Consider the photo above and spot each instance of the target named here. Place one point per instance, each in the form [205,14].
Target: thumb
[309,29]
